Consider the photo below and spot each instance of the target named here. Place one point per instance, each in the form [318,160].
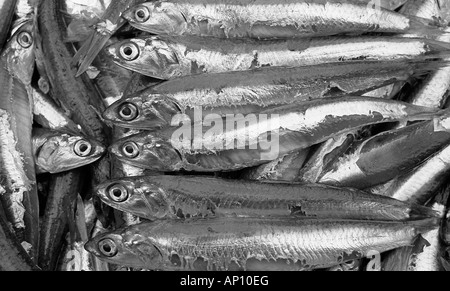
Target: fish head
[157,17]
[136,196]
[148,56]
[145,110]
[112,248]
[64,152]
[19,53]
[148,151]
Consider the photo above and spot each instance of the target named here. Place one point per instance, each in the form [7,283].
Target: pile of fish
[224,135]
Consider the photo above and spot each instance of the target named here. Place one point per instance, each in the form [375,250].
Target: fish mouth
[90,247]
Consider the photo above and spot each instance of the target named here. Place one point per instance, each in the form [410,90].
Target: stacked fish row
[340,104]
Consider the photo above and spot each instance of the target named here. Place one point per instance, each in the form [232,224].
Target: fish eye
[118,193]
[25,39]
[129,51]
[82,148]
[142,14]
[130,150]
[128,112]
[107,247]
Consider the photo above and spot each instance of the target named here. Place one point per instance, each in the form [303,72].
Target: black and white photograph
[231,140]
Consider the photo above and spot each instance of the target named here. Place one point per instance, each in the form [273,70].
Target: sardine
[251,244]
[7,9]
[63,192]
[172,57]
[110,22]
[266,19]
[245,140]
[159,197]
[253,91]
[387,155]
[14,257]
[57,152]
[18,168]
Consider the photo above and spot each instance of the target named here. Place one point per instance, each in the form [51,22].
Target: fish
[14,257]
[251,244]
[264,19]
[286,168]
[252,91]
[110,22]
[49,115]
[240,142]
[179,197]
[421,183]
[7,9]
[62,197]
[57,152]
[172,57]
[17,172]
[385,156]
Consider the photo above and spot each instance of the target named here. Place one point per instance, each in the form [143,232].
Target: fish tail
[425,28]
[418,212]
[424,225]
[434,63]
[437,45]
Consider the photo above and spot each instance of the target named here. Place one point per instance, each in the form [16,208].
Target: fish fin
[81,53]
[426,28]
[91,50]
[422,212]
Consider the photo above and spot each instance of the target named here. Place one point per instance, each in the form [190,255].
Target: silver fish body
[57,152]
[251,244]
[172,57]
[265,19]
[387,155]
[18,175]
[169,197]
[253,91]
[241,142]
[420,184]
